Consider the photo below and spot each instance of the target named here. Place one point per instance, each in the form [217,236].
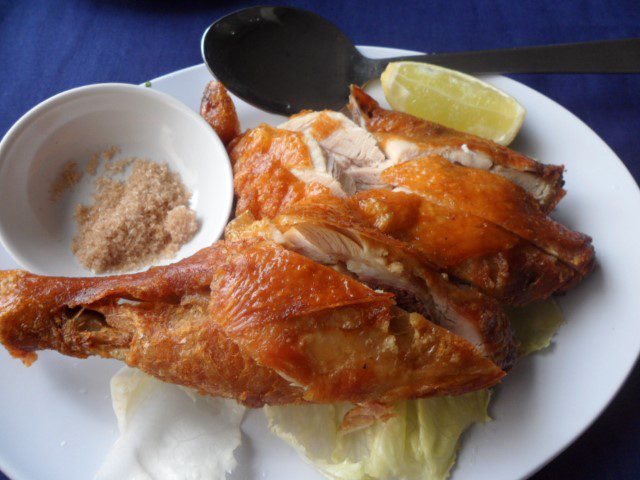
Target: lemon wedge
[453,99]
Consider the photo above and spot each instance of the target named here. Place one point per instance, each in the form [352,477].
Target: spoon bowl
[282,59]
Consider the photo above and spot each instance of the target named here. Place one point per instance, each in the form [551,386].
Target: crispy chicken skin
[262,152]
[264,159]
[248,320]
[331,230]
[467,246]
[218,110]
[338,338]
[493,199]
[404,136]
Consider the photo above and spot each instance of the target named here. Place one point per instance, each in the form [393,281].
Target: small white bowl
[78,123]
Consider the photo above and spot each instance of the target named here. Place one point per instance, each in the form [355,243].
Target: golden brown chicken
[248,320]
[326,153]
[403,137]
[331,231]
[273,168]
[469,248]
[357,269]
[493,199]
[218,110]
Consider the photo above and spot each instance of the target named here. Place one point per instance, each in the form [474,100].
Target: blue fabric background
[47,46]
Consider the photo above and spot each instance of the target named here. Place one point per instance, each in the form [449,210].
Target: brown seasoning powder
[94,163]
[134,222]
[68,178]
[118,166]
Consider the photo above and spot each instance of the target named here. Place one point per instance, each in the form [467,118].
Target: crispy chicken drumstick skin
[248,320]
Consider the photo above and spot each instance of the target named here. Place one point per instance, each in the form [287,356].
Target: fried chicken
[248,320]
[275,168]
[368,263]
[218,110]
[403,137]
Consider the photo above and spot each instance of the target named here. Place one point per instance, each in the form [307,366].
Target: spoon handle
[609,56]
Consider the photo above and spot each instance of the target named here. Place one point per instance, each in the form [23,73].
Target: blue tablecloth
[48,46]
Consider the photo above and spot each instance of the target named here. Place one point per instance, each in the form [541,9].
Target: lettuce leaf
[420,442]
[536,324]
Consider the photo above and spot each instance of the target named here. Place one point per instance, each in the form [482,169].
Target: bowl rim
[58,99]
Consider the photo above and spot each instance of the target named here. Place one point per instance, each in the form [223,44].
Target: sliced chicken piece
[274,167]
[341,344]
[247,320]
[403,137]
[447,237]
[469,248]
[465,245]
[346,144]
[218,110]
[493,199]
[329,230]
[352,146]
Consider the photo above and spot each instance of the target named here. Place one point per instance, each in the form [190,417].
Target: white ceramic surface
[542,406]
[76,124]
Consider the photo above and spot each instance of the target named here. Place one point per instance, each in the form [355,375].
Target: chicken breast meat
[352,148]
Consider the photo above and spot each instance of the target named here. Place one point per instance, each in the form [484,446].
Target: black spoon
[284,59]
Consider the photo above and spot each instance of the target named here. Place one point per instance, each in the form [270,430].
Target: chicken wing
[248,320]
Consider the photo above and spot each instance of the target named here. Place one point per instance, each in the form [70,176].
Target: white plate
[56,420]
